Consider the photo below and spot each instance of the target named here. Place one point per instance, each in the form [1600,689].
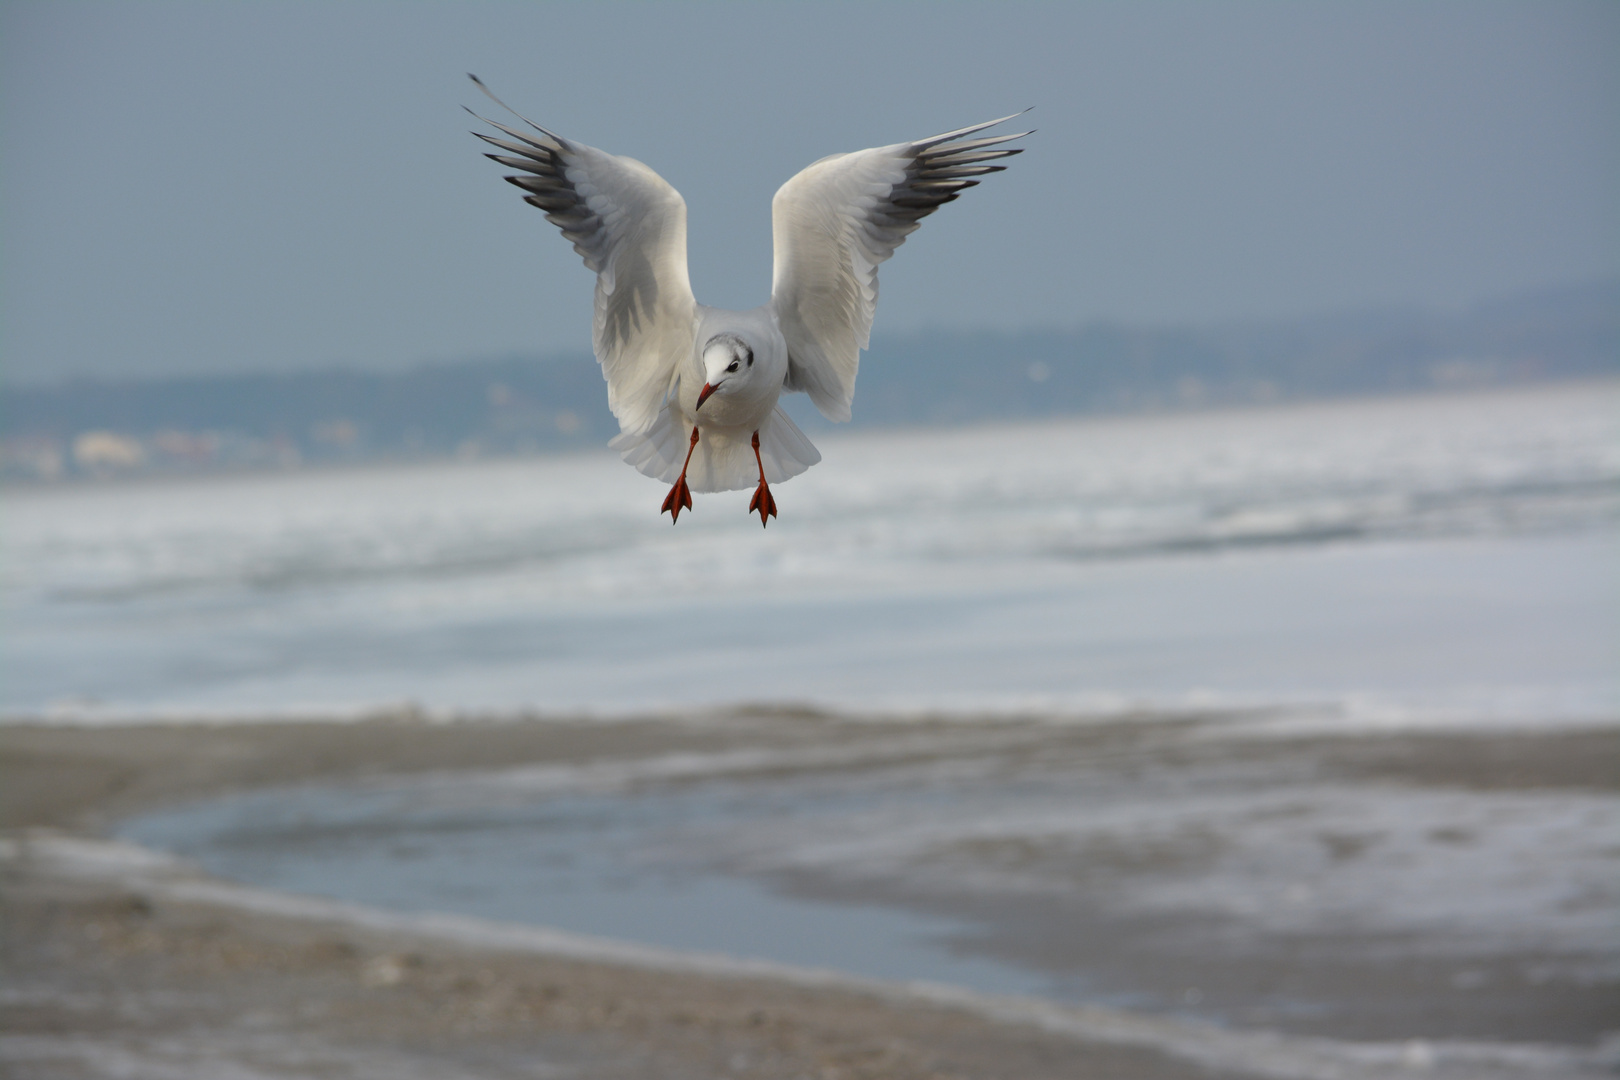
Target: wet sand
[117,969]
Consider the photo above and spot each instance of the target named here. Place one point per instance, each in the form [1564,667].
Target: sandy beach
[121,962]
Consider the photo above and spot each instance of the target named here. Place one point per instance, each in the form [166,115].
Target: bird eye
[733,366]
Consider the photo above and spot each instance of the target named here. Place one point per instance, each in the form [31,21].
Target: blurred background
[269,188]
[1277,384]
[253,248]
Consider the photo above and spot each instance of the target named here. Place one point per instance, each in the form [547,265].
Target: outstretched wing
[834,223]
[629,225]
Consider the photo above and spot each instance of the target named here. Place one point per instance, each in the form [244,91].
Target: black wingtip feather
[491,95]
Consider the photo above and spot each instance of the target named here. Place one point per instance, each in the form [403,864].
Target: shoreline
[115,938]
[1584,383]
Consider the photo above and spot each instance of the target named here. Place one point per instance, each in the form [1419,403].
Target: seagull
[695,389]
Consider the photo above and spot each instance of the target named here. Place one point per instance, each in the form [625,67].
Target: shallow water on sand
[589,864]
[1202,868]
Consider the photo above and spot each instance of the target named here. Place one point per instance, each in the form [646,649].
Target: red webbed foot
[680,496]
[763,502]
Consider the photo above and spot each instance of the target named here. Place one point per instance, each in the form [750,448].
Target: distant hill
[520,404]
[937,377]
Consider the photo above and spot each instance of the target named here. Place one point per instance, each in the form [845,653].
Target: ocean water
[1437,558]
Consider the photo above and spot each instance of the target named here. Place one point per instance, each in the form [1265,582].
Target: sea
[1434,559]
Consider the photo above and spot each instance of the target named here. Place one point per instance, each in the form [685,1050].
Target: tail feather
[784,449]
[723,460]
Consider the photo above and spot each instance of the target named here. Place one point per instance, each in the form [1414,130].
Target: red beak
[703,395]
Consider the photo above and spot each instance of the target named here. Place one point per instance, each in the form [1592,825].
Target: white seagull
[695,388]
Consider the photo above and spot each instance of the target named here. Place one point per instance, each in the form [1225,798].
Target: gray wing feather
[629,226]
[835,222]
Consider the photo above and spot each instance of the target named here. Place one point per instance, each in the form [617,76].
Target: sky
[212,187]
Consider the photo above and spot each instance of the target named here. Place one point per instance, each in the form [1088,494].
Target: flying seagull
[695,388]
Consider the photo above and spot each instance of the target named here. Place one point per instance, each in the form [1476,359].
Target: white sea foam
[1462,873]
[1386,561]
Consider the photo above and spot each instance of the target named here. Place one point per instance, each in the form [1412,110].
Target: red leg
[680,495]
[762,494]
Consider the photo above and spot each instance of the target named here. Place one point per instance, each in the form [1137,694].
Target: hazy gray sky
[211,186]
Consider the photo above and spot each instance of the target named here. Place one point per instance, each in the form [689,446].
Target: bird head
[728,363]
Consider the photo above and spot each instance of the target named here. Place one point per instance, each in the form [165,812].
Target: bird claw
[679,498]
[763,502]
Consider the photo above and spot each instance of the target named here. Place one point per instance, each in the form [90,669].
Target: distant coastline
[518,405]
